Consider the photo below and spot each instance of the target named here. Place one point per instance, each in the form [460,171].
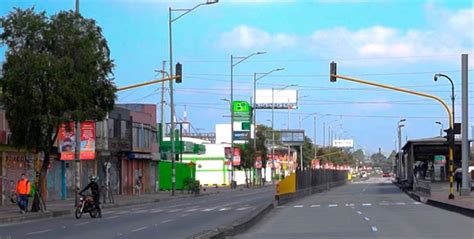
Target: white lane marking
[138,208]
[359,212]
[400,203]
[242,208]
[366,218]
[139,229]
[156,211]
[108,212]
[139,211]
[175,210]
[166,221]
[225,209]
[112,217]
[207,209]
[123,212]
[316,205]
[374,229]
[366,204]
[298,206]
[192,210]
[417,203]
[38,232]
[384,203]
[349,204]
[82,223]
[332,205]
[186,214]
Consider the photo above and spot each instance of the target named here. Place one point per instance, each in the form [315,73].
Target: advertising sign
[258,162]
[236,161]
[343,143]
[67,144]
[440,159]
[282,99]
[241,135]
[228,153]
[241,111]
[88,140]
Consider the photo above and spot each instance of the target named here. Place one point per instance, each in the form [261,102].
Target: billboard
[282,99]
[343,143]
[67,145]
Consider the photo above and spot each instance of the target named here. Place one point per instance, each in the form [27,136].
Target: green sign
[241,111]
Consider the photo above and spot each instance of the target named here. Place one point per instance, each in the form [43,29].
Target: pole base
[451,196]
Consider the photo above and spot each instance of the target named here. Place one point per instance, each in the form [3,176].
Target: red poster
[66,142]
[236,161]
[88,140]
[258,162]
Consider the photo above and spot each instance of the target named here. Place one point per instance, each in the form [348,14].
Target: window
[111,128]
[123,129]
[135,137]
[98,129]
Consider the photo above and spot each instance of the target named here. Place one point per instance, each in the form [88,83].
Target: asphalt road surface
[368,209]
[171,219]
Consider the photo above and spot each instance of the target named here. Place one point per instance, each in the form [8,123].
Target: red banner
[66,142]
[236,161]
[88,140]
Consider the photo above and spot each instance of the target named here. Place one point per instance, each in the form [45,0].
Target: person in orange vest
[23,188]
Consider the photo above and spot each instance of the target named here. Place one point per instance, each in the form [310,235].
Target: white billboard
[343,143]
[282,99]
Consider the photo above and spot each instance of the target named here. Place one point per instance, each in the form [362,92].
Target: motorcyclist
[95,191]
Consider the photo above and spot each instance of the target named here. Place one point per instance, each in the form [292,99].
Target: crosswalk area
[177,210]
[350,204]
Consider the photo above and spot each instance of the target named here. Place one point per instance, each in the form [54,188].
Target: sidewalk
[439,198]
[11,213]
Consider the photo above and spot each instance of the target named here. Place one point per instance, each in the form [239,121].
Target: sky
[397,42]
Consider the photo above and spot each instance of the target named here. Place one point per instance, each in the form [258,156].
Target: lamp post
[170,21]
[399,132]
[273,119]
[232,65]
[257,76]
[441,129]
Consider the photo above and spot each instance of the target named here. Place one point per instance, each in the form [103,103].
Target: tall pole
[173,160]
[273,133]
[315,144]
[162,105]
[231,121]
[255,111]
[465,190]
[399,131]
[77,155]
[324,134]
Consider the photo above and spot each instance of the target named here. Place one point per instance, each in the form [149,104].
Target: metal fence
[314,178]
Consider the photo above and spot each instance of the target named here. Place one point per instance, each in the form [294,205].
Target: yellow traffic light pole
[148,83]
[333,76]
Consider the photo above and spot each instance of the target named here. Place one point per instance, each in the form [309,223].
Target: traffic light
[449,136]
[179,73]
[332,71]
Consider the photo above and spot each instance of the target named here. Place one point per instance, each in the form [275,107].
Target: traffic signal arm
[148,83]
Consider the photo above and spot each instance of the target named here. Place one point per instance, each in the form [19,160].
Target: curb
[60,213]
[446,206]
[236,227]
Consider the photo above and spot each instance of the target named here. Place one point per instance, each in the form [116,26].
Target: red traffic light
[332,71]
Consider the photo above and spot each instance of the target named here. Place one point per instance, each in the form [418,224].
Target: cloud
[447,33]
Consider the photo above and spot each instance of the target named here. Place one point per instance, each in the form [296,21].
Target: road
[171,219]
[369,209]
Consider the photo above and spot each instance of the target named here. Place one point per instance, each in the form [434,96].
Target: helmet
[94,178]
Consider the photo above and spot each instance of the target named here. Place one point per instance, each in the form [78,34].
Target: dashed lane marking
[186,214]
[359,212]
[192,210]
[38,232]
[332,205]
[139,229]
[400,203]
[417,203]
[366,218]
[166,221]
[175,210]
[349,204]
[374,229]
[207,209]
[225,209]
[242,208]
[112,217]
[366,204]
[156,211]
[82,223]
[298,206]
[317,205]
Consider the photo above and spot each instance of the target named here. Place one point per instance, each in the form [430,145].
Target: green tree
[359,155]
[57,69]
[308,151]
[378,159]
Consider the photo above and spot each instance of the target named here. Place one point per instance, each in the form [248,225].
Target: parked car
[386,174]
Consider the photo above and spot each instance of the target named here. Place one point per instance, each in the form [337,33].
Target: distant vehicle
[386,173]
[363,174]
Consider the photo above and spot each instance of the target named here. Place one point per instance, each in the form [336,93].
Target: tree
[359,156]
[308,151]
[247,159]
[57,70]
[377,158]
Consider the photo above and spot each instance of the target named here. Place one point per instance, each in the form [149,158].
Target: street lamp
[329,131]
[170,21]
[399,132]
[442,127]
[255,79]
[273,117]
[232,65]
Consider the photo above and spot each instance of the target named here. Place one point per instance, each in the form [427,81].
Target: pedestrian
[424,169]
[23,188]
[138,185]
[415,171]
[458,178]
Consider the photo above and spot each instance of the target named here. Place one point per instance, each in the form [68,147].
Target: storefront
[136,165]
[12,164]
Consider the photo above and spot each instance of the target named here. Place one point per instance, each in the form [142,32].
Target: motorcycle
[86,205]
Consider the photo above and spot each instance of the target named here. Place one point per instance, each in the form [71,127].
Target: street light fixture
[232,65]
[442,127]
[170,21]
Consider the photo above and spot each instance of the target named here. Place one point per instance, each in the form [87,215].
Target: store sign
[241,135]
[242,111]
[139,156]
[440,159]
[343,143]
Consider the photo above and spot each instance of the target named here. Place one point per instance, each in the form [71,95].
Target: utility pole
[315,144]
[465,190]
[273,134]
[162,105]
[77,153]
[324,134]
